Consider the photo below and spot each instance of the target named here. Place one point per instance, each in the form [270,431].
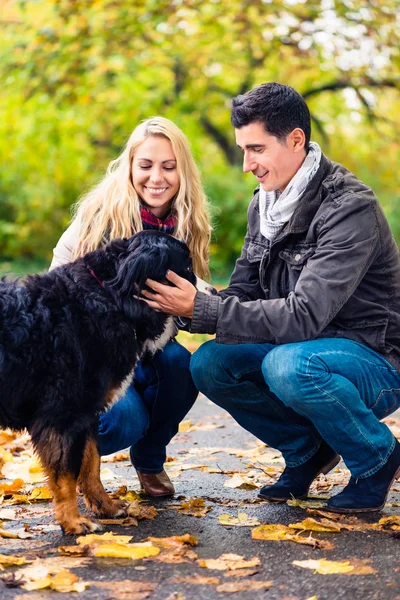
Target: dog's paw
[80,526]
[110,509]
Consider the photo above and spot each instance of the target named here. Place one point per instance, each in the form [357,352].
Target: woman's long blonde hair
[112,208]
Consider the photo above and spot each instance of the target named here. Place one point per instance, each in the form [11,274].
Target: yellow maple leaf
[314,525]
[134,551]
[271,532]
[325,567]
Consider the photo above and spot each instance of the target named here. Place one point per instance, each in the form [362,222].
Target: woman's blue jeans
[293,395]
[148,416]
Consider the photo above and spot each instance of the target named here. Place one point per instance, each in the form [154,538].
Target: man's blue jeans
[148,416]
[293,395]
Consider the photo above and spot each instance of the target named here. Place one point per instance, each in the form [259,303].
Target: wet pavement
[201,461]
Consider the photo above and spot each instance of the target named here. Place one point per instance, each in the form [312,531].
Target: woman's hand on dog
[177,300]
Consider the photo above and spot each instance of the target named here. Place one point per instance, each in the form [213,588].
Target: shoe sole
[325,470]
[365,510]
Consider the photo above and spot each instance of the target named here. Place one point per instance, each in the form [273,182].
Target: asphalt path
[216,443]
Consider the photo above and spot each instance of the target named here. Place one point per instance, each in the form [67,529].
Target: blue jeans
[291,396]
[148,416]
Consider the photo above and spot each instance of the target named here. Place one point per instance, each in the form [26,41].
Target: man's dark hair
[279,108]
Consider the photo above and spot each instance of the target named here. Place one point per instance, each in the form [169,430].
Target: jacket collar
[309,203]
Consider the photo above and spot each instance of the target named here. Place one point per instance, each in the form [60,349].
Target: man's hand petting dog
[177,300]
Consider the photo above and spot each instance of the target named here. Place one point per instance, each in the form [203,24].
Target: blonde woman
[153,184]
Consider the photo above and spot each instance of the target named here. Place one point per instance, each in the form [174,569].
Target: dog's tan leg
[89,483]
[66,509]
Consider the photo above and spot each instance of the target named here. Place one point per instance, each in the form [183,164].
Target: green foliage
[78,75]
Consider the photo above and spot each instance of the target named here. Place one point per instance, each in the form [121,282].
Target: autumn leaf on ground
[306,503]
[127,589]
[185,426]
[390,522]
[7,560]
[114,546]
[175,541]
[240,482]
[195,580]
[242,573]
[127,522]
[27,467]
[108,474]
[229,562]
[312,525]
[173,556]
[244,586]
[272,532]
[14,534]
[134,551]
[40,494]
[124,494]
[176,549]
[195,507]
[11,488]
[102,538]
[119,457]
[242,520]
[277,532]
[139,510]
[38,576]
[330,567]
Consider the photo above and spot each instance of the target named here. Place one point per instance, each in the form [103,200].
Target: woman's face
[154,174]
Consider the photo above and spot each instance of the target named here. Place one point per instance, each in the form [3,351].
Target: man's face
[272,162]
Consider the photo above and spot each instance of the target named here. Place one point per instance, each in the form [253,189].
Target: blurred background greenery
[78,75]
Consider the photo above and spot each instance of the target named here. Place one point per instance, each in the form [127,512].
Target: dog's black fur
[69,342]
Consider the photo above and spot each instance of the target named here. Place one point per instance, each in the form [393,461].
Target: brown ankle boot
[156,484]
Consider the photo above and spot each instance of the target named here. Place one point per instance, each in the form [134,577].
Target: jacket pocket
[298,256]
[292,263]
[370,333]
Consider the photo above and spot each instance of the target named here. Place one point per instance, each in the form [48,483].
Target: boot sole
[365,510]
[326,469]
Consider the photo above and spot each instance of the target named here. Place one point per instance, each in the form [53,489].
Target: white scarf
[275,208]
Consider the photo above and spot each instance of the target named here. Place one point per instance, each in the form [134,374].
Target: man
[307,349]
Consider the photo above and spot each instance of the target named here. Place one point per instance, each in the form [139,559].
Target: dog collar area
[94,275]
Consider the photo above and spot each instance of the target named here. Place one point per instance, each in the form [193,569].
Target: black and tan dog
[69,343]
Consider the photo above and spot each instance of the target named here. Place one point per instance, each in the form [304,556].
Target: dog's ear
[140,262]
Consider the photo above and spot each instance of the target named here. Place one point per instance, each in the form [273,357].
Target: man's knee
[284,370]
[200,365]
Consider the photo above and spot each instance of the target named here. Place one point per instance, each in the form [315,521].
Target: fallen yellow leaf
[242,520]
[229,562]
[103,538]
[244,586]
[40,494]
[241,482]
[174,541]
[185,426]
[134,551]
[313,525]
[271,532]
[7,560]
[325,567]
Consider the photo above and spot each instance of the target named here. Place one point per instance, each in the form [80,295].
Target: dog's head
[148,255]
